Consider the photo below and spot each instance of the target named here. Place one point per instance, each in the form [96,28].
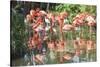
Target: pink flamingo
[28,18]
[68,27]
[91,23]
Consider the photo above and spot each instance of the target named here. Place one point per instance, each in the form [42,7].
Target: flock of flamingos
[42,26]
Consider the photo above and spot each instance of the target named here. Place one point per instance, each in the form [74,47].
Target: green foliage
[17,33]
[74,9]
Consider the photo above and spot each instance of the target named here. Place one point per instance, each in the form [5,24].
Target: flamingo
[43,12]
[37,10]
[90,47]
[79,19]
[60,19]
[61,46]
[28,17]
[52,20]
[64,14]
[37,40]
[39,58]
[76,44]
[51,45]
[68,27]
[82,44]
[91,23]
[30,43]
[39,24]
[79,23]
[67,57]
[91,20]
[32,13]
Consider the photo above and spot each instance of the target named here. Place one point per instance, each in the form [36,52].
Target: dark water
[84,58]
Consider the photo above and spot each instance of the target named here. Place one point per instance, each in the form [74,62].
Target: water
[52,57]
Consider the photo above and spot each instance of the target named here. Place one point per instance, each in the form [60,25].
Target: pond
[57,57]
